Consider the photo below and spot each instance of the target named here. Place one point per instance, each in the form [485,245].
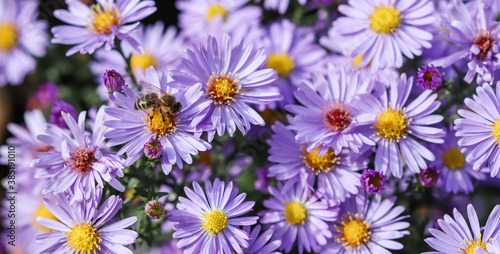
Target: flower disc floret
[216,9]
[336,117]
[138,61]
[82,160]
[471,244]
[160,123]
[496,130]
[454,159]
[354,231]
[103,20]
[385,19]
[214,222]
[84,238]
[484,41]
[392,124]
[9,37]
[222,88]
[281,63]
[318,163]
[295,213]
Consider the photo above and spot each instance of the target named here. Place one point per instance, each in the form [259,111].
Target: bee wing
[150,88]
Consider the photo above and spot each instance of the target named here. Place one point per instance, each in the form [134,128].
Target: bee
[165,103]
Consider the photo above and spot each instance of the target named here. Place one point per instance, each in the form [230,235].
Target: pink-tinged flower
[368,226]
[22,36]
[297,216]
[478,129]
[474,30]
[327,118]
[59,107]
[93,26]
[382,31]
[397,122]
[136,128]
[155,209]
[81,227]
[455,235]
[429,177]
[47,94]
[209,221]
[113,80]
[372,181]
[200,18]
[293,54]
[79,160]
[230,81]
[429,77]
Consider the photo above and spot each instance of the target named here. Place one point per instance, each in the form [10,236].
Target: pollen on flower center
[9,36]
[471,244]
[484,41]
[222,88]
[44,212]
[281,63]
[216,9]
[496,130]
[84,238]
[336,117]
[160,122]
[318,163]
[295,213]
[214,222]
[392,124]
[103,20]
[454,159]
[385,19]
[82,160]
[142,61]
[354,231]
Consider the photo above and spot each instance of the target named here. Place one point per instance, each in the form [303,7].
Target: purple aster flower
[455,172]
[47,94]
[455,233]
[99,24]
[429,177]
[382,31]
[293,54]
[200,18]
[327,118]
[113,80]
[209,223]
[479,129]
[231,81]
[58,108]
[429,77]
[297,215]
[79,160]
[368,226]
[372,181]
[335,173]
[22,37]
[279,5]
[81,227]
[397,122]
[258,244]
[155,209]
[475,31]
[153,149]
[137,127]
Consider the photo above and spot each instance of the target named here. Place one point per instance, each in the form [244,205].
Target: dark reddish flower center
[485,43]
[428,76]
[81,160]
[336,117]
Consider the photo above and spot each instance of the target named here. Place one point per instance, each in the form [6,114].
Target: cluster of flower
[353,132]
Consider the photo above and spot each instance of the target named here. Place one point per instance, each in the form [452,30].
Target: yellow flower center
[84,238]
[142,61]
[216,9]
[471,244]
[222,88]
[496,130]
[385,19]
[160,122]
[9,36]
[392,124]
[43,212]
[320,164]
[453,159]
[282,63]
[103,20]
[354,231]
[295,213]
[215,222]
